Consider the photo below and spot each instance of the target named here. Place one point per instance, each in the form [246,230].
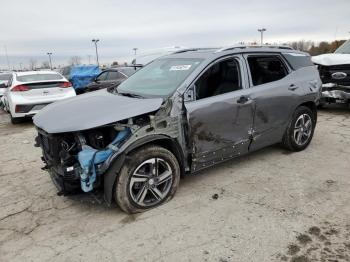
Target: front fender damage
[108,161]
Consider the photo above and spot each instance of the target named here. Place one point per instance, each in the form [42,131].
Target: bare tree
[32,64]
[45,64]
[302,45]
[75,60]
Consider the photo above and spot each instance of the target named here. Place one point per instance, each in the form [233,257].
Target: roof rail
[193,49]
[253,46]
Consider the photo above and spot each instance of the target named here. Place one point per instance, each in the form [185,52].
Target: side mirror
[3,85]
[190,94]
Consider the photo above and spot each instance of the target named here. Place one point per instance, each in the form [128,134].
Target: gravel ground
[272,205]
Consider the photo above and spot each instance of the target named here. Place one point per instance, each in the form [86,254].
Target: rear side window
[5,77]
[39,77]
[297,60]
[114,75]
[102,76]
[128,71]
[266,69]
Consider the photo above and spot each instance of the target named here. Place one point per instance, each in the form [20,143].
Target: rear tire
[300,130]
[149,177]
[16,120]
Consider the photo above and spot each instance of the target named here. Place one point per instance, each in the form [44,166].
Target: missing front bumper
[333,93]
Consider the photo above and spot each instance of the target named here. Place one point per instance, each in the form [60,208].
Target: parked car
[111,78]
[80,75]
[28,92]
[178,115]
[4,78]
[335,75]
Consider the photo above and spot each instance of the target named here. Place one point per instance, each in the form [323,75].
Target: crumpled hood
[92,110]
[331,59]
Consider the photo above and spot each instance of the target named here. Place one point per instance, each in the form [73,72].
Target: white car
[28,92]
[4,78]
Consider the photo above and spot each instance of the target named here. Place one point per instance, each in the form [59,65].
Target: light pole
[95,42]
[262,30]
[49,54]
[135,50]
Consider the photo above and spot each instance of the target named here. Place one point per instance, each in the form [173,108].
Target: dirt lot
[270,206]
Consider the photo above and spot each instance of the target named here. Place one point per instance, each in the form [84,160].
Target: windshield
[344,48]
[5,77]
[160,78]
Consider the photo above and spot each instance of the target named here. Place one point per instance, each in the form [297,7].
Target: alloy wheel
[151,182]
[302,129]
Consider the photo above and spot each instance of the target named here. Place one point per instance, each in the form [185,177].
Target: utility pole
[262,30]
[50,54]
[7,58]
[95,41]
[89,57]
[135,50]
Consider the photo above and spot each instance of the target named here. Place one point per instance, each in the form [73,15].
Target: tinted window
[220,78]
[265,69]
[38,77]
[102,76]
[115,75]
[5,77]
[297,60]
[159,78]
[128,71]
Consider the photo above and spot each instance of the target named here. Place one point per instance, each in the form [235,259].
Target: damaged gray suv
[178,115]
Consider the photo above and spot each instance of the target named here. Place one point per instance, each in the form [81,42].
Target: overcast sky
[31,28]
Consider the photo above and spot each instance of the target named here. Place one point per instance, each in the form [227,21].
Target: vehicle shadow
[96,203]
[337,109]
[6,127]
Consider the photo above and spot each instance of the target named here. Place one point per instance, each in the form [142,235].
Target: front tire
[149,177]
[300,130]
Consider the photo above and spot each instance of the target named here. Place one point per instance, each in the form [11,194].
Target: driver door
[220,116]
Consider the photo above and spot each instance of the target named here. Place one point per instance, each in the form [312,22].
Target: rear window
[297,60]
[128,71]
[5,77]
[39,77]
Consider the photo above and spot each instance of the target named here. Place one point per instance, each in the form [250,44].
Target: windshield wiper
[130,94]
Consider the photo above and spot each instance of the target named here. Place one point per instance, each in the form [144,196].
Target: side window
[115,75]
[102,76]
[220,78]
[265,69]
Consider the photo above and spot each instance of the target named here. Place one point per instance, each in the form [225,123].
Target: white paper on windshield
[179,67]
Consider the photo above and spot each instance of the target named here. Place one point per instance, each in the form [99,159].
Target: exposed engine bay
[74,160]
[77,161]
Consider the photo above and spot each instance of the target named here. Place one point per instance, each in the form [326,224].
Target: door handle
[243,100]
[293,87]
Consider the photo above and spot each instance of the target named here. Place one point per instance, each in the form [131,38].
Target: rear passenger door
[275,94]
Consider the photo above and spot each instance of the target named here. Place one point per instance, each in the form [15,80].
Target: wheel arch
[168,143]
[312,106]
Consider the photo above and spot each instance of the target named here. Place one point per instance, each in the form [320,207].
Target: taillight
[20,88]
[65,84]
